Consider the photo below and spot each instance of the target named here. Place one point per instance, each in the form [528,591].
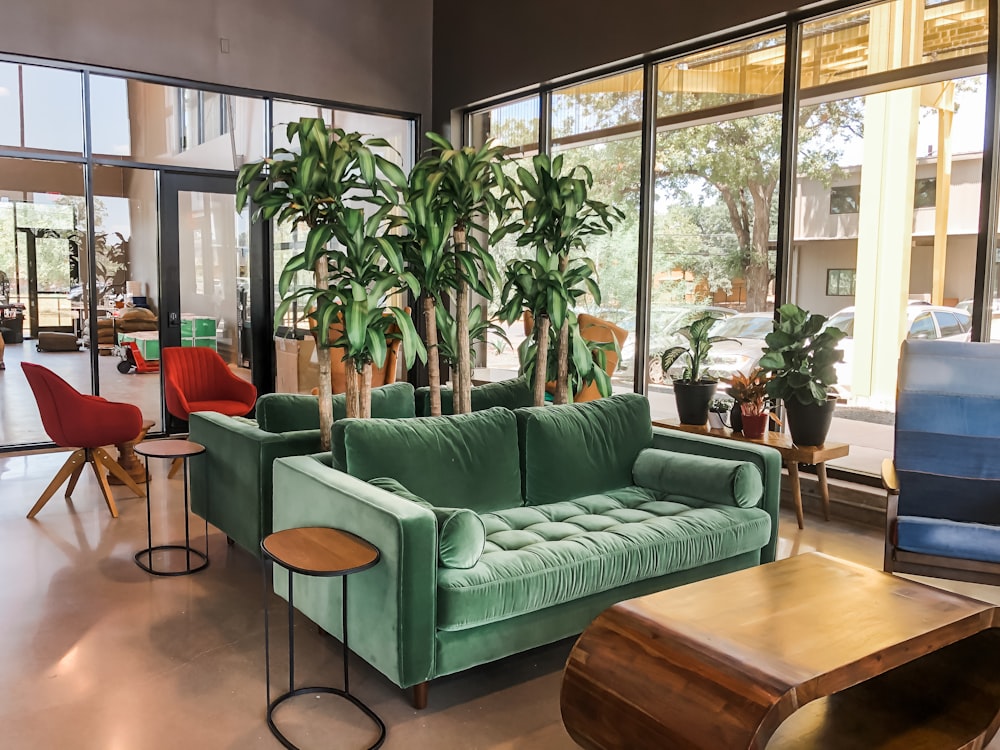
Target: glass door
[209,275]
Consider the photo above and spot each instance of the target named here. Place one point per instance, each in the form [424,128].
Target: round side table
[314,551]
[171,449]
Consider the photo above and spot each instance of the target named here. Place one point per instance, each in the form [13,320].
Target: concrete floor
[96,654]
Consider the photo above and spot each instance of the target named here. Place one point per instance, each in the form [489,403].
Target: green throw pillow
[716,481]
[461,533]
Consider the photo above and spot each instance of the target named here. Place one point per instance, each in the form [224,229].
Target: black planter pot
[693,400]
[736,418]
[809,424]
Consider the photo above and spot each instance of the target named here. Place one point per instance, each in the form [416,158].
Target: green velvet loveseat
[231,483]
[504,530]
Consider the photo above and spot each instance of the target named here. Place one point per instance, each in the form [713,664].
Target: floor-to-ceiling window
[885,177]
[515,126]
[88,249]
[597,125]
[888,178]
[298,369]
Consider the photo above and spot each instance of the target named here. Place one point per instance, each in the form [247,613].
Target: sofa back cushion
[288,412]
[575,450]
[510,394]
[464,461]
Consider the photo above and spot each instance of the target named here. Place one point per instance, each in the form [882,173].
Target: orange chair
[593,329]
[196,378]
[87,423]
[601,332]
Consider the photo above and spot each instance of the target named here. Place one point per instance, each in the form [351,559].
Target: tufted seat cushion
[544,555]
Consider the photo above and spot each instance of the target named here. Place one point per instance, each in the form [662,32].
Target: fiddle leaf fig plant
[801,355]
[696,352]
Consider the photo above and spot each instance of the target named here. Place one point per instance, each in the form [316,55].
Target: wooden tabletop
[803,454]
[884,662]
[169,448]
[320,551]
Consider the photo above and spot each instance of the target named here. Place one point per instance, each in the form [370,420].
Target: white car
[927,322]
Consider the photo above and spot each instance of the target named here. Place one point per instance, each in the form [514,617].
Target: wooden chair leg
[74,479]
[116,468]
[420,695]
[102,480]
[174,466]
[76,459]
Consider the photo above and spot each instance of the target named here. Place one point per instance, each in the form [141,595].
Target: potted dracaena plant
[557,216]
[343,190]
[801,355]
[451,192]
[695,388]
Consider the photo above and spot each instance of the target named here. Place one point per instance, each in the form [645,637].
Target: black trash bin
[12,323]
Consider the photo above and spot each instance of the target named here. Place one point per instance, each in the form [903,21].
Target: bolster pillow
[461,533]
[715,481]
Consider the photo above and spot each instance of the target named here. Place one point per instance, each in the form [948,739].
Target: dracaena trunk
[365,394]
[353,384]
[433,363]
[323,356]
[561,396]
[541,359]
[463,366]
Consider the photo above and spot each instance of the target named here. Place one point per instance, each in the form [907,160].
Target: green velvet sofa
[504,530]
[231,483]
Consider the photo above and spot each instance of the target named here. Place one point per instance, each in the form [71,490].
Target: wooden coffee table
[791,456]
[808,652]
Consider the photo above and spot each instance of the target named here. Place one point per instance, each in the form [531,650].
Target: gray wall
[375,53]
[539,40]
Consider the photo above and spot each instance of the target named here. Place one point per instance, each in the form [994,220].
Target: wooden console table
[791,457]
[801,654]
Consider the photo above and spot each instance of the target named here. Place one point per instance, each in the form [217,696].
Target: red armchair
[196,378]
[87,423]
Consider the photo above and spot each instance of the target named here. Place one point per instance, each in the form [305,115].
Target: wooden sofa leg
[420,696]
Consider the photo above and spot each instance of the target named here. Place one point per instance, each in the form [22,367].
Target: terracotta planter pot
[755,425]
[693,400]
[809,424]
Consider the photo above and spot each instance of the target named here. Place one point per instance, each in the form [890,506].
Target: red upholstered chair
[196,378]
[87,423]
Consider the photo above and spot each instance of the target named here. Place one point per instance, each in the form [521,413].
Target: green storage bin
[194,326]
[149,348]
[208,341]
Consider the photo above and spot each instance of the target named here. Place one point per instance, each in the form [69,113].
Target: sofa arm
[392,610]
[767,460]
[231,482]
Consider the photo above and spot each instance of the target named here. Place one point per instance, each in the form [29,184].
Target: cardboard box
[297,369]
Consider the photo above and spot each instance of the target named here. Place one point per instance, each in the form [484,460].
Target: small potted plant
[717,410]
[801,355]
[750,393]
[694,390]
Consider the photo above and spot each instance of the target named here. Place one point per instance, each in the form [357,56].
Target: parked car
[924,321]
[740,356]
[664,322]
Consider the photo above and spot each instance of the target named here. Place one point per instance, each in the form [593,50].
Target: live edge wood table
[805,653]
[791,457]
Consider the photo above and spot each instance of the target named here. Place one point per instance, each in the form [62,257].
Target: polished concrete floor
[96,654]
